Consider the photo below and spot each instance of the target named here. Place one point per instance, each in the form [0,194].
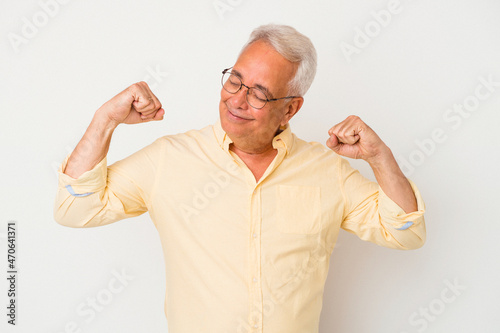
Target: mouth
[236,115]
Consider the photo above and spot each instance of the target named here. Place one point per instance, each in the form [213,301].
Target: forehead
[260,64]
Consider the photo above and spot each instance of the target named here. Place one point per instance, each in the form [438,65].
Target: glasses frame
[227,70]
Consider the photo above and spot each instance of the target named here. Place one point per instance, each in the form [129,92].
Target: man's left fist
[353,138]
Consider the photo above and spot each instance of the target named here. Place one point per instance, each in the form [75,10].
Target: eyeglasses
[256,98]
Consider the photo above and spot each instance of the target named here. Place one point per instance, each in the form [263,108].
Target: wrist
[103,121]
[387,171]
[382,158]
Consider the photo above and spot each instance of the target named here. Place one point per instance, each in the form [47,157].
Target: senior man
[248,214]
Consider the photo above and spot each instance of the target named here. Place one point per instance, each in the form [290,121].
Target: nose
[239,99]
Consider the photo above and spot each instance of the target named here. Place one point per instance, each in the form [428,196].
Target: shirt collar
[283,140]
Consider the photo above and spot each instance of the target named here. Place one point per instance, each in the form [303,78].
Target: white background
[430,56]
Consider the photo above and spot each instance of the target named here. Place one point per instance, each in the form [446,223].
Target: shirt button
[256,326]
[254,279]
[254,235]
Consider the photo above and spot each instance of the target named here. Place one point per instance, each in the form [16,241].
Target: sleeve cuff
[395,215]
[87,183]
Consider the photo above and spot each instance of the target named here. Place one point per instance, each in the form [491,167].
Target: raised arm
[390,214]
[92,194]
[354,139]
[136,104]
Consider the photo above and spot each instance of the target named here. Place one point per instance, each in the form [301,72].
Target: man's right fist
[136,104]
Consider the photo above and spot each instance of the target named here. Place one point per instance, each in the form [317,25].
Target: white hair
[294,47]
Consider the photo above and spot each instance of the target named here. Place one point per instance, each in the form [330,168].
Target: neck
[252,146]
[257,160]
[243,150]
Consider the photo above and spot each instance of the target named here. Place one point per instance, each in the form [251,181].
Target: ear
[292,109]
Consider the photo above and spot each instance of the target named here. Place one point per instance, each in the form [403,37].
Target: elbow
[417,244]
[404,240]
[70,216]
[413,243]
[60,213]
[75,211]
[65,220]
[418,237]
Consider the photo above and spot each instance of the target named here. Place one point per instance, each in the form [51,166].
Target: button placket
[256,306]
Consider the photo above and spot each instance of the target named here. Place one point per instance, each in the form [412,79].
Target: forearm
[93,146]
[392,181]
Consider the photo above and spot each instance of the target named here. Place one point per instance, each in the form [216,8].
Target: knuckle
[135,87]
[140,85]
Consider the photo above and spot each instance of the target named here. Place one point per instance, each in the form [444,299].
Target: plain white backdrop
[415,71]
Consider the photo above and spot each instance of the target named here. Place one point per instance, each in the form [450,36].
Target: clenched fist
[136,104]
[353,138]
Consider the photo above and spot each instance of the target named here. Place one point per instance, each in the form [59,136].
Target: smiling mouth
[237,116]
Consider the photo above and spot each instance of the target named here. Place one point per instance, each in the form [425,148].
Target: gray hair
[294,47]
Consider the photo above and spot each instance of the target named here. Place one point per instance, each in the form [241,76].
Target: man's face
[258,66]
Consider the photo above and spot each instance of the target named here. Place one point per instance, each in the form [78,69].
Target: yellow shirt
[240,255]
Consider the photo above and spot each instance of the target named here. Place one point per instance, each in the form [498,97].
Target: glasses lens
[256,98]
[231,83]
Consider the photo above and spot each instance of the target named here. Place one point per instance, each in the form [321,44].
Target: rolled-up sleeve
[107,194]
[373,216]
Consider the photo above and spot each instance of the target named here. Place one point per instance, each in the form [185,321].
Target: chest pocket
[299,209]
